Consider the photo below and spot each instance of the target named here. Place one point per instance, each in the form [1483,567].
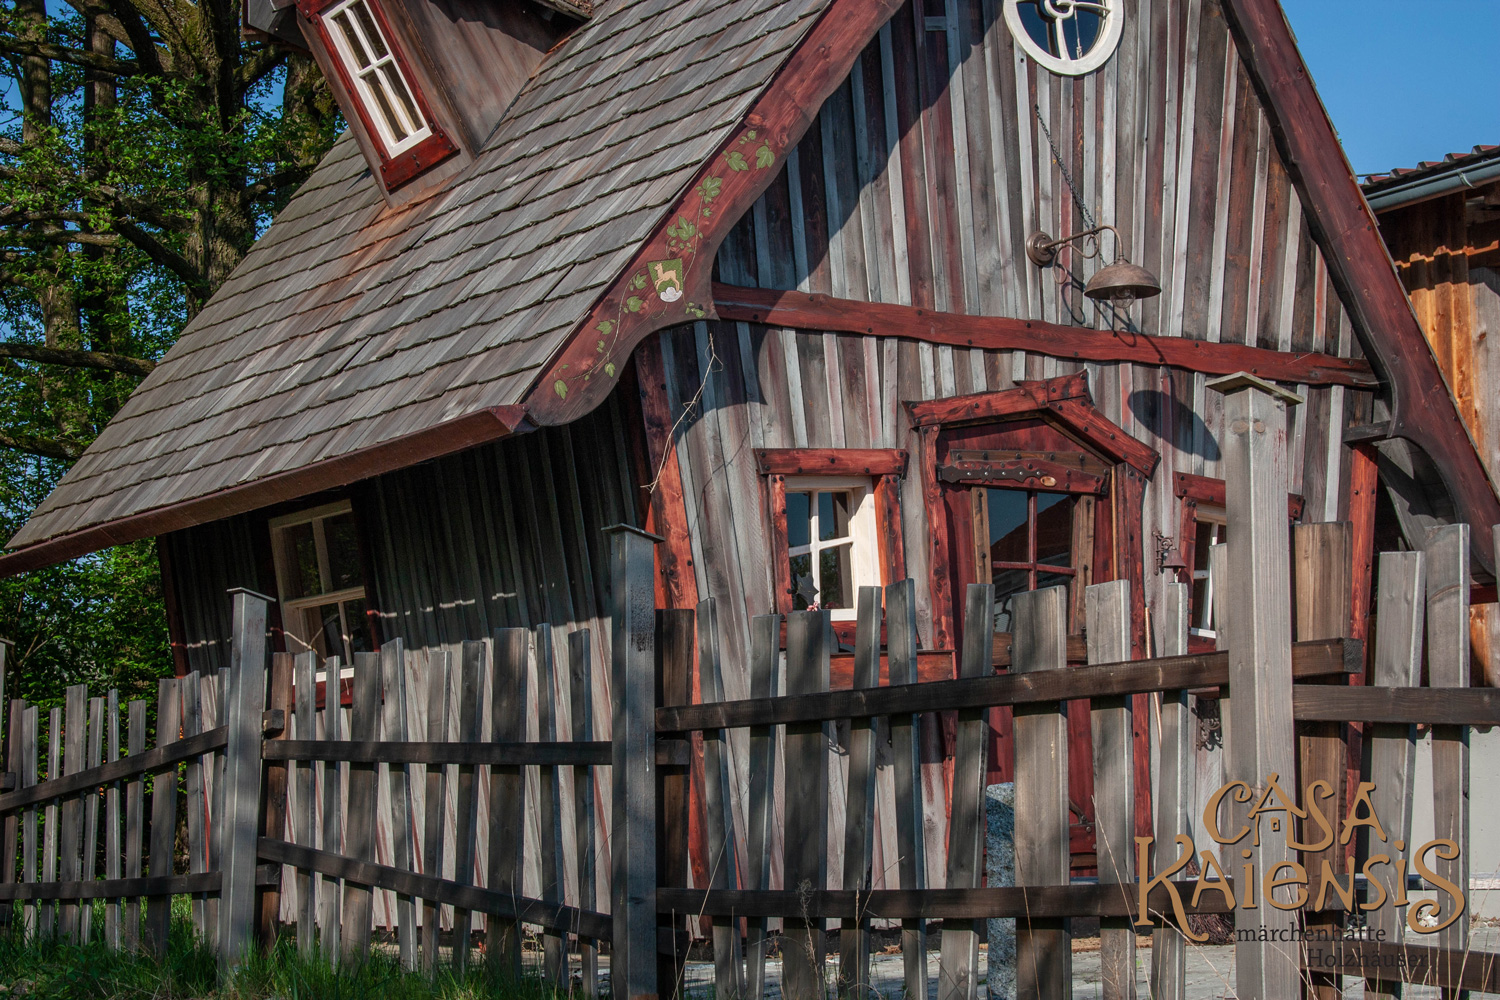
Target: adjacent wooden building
[753,275]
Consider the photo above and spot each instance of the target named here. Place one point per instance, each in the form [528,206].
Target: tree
[146,145]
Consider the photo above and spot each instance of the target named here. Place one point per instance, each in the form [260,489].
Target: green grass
[49,967]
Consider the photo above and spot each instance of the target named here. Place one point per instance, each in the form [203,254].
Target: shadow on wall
[1166,415]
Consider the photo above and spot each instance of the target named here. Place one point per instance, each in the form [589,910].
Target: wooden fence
[452,787]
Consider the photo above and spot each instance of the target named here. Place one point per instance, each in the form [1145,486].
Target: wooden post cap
[1244,380]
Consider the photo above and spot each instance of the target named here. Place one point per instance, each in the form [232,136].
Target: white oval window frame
[1104,45]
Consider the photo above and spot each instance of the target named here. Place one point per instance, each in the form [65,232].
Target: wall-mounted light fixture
[1120,281]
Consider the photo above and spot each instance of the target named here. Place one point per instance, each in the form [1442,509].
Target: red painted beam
[1422,407]
[1075,343]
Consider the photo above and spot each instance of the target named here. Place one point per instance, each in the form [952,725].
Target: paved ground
[1210,973]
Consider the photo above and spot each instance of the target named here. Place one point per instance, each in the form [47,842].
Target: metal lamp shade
[1122,280]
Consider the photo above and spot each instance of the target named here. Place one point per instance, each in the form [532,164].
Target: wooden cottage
[815,290]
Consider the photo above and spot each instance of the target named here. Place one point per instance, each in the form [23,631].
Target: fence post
[1259,626]
[633,760]
[240,822]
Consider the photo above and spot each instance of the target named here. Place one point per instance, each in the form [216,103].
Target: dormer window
[379,83]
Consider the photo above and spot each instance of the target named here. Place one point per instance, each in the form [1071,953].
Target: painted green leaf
[639,281]
[561,388]
[736,160]
[606,327]
[764,157]
[709,189]
[609,368]
[600,348]
[750,134]
[634,304]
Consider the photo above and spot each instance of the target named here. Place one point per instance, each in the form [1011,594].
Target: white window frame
[863,539]
[292,608]
[1203,617]
[364,91]
[1111,11]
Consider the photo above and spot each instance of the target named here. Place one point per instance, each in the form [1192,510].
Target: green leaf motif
[736,160]
[600,348]
[609,368]
[639,281]
[750,134]
[634,304]
[606,327]
[710,187]
[764,157]
[561,388]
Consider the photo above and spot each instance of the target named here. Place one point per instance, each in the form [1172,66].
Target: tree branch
[40,446]
[77,359]
[257,66]
[164,255]
[293,174]
[88,60]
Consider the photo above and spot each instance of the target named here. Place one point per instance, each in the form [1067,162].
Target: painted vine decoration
[662,283]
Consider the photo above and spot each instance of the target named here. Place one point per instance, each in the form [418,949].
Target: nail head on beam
[1244,380]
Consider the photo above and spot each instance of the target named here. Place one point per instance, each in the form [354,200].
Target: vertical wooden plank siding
[718,819]
[958,971]
[674,683]
[806,852]
[764,675]
[1044,961]
[1107,625]
[1448,556]
[859,811]
[901,646]
[1176,805]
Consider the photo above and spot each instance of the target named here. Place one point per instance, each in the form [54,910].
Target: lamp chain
[1088,217]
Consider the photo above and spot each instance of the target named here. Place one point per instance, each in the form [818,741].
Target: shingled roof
[352,323]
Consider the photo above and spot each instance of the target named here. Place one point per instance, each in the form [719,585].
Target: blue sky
[1404,80]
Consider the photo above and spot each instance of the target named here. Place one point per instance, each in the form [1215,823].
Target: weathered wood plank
[470,717]
[805,848]
[1043,956]
[194,801]
[242,779]
[112,817]
[549,803]
[674,682]
[581,687]
[47,916]
[304,813]
[719,819]
[75,714]
[958,969]
[901,646]
[30,717]
[859,810]
[135,822]
[765,642]
[507,798]
[434,802]
[330,891]
[354,943]
[164,814]
[1448,555]
[272,819]
[1175,809]
[90,813]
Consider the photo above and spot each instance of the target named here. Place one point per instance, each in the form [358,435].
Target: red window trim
[397,170]
[886,466]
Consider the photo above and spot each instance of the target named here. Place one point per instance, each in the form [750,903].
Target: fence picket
[112,845]
[12,846]
[1390,749]
[360,838]
[765,642]
[163,816]
[906,742]
[507,798]
[304,813]
[71,820]
[47,918]
[394,727]
[580,675]
[674,683]
[435,801]
[135,821]
[554,952]
[805,851]
[1044,966]
[1448,667]
[719,821]
[212,690]
[197,818]
[30,718]
[91,815]
[859,802]
[1174,802]
[241,818]
[958,966]
[470,716]
[330,890]
[1107,616]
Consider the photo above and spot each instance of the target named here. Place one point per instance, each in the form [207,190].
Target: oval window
[1072,37]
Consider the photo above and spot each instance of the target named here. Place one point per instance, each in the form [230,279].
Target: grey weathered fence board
[135,817]
[718,819]
[1448,667]
[1107,620]
[958,968]
[805,847]
[329,890]
[1390,749]
[71,820]
[304,813]
[360,837]
[901,646]
[434,801]
[242,778]
[394,727]
[507,797]
[549,803]
[47,915]
[765,641]
[194,800]
[580,678]
[214,690]
[10,850]
[112,845]
[91,813]
[30,717]
[1174,800]
[1044,965]
[470,715]
[859,806]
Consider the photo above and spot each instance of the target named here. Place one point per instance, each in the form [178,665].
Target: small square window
[382,87]
[321,582]
[831,543]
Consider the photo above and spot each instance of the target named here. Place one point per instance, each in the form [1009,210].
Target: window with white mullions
[321,582]
[371,64]
[1211,526]
[830,543]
